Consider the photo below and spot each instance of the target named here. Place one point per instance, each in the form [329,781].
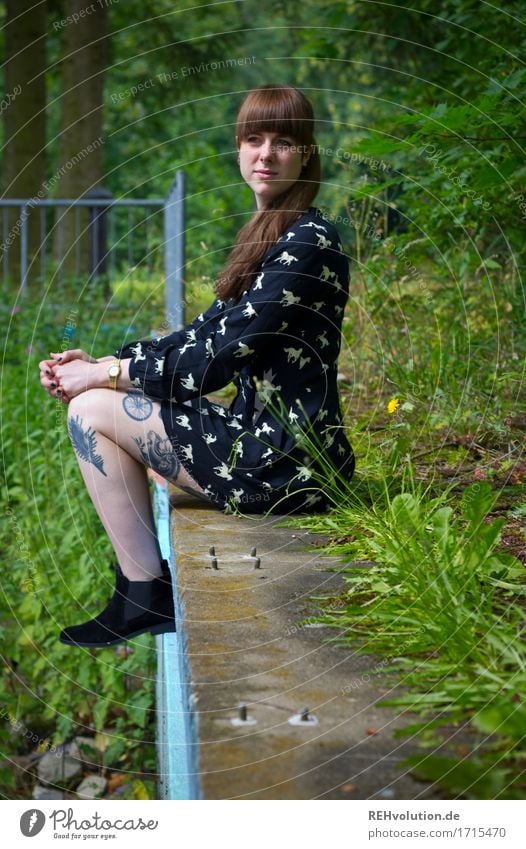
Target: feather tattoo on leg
[85,444]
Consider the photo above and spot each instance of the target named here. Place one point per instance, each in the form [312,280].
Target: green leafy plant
[440,603]
[56,562]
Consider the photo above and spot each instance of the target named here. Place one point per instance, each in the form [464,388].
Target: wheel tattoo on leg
[137,406]
[159,454]
[85,443]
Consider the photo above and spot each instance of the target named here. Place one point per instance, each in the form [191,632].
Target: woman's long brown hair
[280,109]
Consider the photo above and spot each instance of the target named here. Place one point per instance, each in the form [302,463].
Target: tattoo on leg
[158,454]
[137,406]
[85,443]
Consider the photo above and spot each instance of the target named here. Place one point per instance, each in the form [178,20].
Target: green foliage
[435,125]
[57,558]
[443,606]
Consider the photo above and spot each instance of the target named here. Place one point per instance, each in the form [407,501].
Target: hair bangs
[276,109]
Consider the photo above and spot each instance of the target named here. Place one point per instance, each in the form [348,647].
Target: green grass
[56,555]
[431,589]
[444,608]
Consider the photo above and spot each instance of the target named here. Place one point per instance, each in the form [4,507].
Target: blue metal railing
[176,718]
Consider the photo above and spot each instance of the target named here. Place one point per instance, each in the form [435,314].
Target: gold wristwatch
[113,373]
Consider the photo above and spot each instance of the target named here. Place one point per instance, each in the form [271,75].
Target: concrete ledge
[244,645]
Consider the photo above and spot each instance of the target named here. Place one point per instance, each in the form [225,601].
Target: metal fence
[120,235]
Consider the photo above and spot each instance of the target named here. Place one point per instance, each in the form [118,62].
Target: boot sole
[168,628]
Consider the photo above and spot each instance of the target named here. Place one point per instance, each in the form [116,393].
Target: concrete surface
[245,645]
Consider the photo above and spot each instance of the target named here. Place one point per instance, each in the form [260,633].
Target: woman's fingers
[49,385]
[52,372]
[47,369]
[51,382]
[73,354]
[47,365]
[48,379]
[56,392]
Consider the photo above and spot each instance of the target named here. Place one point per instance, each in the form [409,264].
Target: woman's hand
[72,372]
[65,385]
[50,381]
[79,375]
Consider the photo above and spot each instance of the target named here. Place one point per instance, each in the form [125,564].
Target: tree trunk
[24,110]
[80,160]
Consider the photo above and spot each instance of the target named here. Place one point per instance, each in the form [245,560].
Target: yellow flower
[393,405]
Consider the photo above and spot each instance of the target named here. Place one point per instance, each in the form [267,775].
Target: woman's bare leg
[115,435]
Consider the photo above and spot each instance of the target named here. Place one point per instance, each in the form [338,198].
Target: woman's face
[270,163]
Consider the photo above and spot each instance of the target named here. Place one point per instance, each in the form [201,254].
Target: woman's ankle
[140,572]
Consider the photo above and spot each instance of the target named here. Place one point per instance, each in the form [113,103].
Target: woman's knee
[88,406]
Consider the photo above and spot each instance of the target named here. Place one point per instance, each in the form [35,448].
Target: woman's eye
[279,144]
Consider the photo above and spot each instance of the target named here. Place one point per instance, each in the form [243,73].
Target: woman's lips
[266,174]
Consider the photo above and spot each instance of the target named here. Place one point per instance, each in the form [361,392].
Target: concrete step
[244,644]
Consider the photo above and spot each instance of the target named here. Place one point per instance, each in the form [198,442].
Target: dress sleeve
[299,270]
[192,331]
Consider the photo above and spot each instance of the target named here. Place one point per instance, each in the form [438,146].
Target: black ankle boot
[135,607]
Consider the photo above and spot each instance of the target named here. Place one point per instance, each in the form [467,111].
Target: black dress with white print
[279,343]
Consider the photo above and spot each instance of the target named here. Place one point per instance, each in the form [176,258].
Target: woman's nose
[266,150]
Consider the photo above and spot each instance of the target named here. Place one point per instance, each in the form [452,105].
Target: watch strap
[114,371]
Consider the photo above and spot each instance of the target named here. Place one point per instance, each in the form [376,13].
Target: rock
[41,792]
[91,787]
[60,766]
[387,793]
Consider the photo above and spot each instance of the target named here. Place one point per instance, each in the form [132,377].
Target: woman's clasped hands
[69,373]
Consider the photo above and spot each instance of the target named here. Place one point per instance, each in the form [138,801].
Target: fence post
[98,257]
[174,252]
[23,248]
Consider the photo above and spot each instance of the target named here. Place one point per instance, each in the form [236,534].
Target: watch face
[114,371]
